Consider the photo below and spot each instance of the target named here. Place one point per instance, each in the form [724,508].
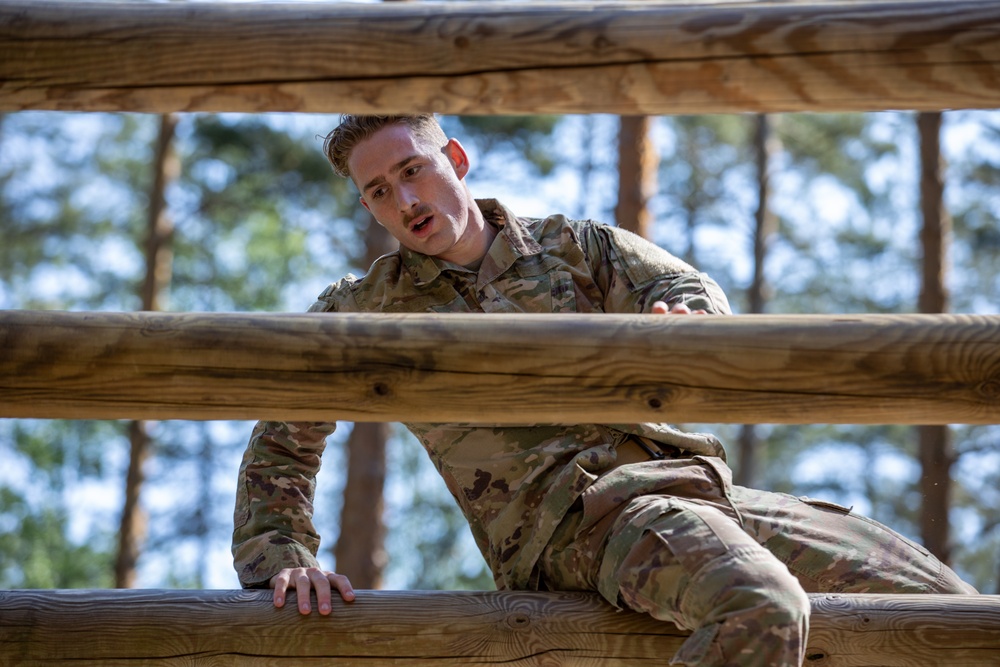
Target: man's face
[414,190]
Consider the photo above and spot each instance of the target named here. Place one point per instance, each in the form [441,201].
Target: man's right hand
[661,308]
[305,579]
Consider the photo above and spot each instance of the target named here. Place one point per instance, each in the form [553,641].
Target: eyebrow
[396,167]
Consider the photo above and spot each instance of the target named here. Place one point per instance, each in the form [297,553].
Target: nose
[406,197]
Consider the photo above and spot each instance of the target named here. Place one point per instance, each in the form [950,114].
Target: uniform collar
[511,243]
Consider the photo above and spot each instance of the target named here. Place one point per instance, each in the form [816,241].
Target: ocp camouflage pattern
[513,483]
[547,504]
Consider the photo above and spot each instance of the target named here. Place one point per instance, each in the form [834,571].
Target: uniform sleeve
[634,273]
[273,520]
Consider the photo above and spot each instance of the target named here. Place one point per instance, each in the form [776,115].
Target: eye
[378,193]
[412,170]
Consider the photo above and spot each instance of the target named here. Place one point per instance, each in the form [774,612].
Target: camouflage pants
[676,540]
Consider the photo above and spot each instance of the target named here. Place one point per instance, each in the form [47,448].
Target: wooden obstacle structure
[491,58]
[98,628]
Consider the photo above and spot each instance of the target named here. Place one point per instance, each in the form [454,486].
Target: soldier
[644,514]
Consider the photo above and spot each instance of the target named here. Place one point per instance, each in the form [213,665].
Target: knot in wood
[656,398]
[158,326]
[990,389]
[815,657]
[518,621]
[381,389]
[602,43]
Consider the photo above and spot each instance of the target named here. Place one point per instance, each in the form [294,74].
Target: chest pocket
[440,300]
[550,292]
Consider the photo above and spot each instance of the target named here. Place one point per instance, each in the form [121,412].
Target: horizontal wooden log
[520,369]
[500,58]
[438,629]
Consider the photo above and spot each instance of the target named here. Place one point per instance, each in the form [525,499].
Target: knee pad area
[745,585]
[751,612]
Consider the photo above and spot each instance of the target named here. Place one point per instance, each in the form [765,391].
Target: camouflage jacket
[514,484]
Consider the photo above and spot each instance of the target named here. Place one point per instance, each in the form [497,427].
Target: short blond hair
[353,129]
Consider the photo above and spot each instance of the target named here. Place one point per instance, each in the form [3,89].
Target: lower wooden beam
[439,629]
[515,369]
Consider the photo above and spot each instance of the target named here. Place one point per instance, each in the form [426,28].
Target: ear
[458,158]
[365,204]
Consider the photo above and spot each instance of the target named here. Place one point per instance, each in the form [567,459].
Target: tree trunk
[159,249]
[159,256]
[360,550]
[637,165]
[586,169]
[765,225]
[936,455]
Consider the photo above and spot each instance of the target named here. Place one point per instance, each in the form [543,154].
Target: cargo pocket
[847,511]
[826,504]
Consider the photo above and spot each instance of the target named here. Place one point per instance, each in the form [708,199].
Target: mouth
[421,224]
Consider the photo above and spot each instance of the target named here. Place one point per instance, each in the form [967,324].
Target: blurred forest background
[798,213]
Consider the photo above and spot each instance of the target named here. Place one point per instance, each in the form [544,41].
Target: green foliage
[71,198]
[262,224]
[843,147]
[701,173]
[260,213]
[47,460]
[973,183]
[518,138]
[35,551]
[844,241]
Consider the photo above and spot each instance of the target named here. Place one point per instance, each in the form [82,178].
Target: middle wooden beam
[513,369]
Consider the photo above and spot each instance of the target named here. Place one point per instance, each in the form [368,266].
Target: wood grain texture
[515,369]
[431,629]
[423,629]
[904,631]
[500,58]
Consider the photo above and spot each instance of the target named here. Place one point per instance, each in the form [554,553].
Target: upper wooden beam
[499,58]
[450,629]
[516,369]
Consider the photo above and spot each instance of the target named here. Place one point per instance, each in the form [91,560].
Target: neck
[476,240]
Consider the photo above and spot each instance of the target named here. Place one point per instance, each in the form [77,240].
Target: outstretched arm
[636,276]
[273,527]
[274,539]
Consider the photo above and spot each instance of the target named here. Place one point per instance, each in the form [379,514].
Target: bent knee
[753,612]
[753,585]
[949,582]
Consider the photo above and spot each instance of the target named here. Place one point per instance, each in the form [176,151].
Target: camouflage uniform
[547,505]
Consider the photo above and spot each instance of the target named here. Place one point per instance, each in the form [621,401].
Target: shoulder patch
[643,261]
[330,298]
